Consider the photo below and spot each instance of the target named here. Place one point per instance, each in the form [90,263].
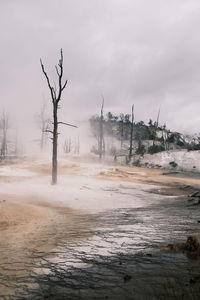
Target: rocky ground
[98,233]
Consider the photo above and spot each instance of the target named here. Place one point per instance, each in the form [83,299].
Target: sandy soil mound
[15,214]
[20,221]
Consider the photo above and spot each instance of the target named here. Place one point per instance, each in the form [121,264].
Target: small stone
[127,277]
[192,244]
[192,281]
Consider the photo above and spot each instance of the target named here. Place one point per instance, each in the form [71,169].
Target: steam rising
[141,52]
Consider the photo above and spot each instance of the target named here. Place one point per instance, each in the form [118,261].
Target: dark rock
[191,199]
[195,195]
[191,247]
[196,203]
[127,277]
[186,187]
[173,164]
[192,244]
[192,281]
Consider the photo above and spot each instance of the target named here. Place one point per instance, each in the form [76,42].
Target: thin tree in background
[16,145]
[158,116]
[121,124]
[156,126]
[4,129]
[77,145]
[56,93]
[44,126]
[101,136]
[67,145]
[131,135]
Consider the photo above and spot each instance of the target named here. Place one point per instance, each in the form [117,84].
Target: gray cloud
[133,51]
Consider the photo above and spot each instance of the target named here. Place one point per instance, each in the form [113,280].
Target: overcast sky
[145,52]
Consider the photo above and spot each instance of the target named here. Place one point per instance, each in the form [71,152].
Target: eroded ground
[97,234]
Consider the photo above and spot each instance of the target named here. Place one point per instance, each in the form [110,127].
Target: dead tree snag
[131,135]
[56,93]
[4,128]
[101,136]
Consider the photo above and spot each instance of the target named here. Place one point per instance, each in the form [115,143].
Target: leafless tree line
[72,145]
[8,147]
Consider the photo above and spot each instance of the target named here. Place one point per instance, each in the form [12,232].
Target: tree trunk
[131,136]
[122,134]
[55,142]
[156,127]
[101,138]
[4,126]
[42,138]
[56,97]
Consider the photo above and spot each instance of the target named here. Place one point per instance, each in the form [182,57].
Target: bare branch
[67,124]
[61,88]
[48,131]
[57,71]
[61,57]
[102,105]
[48,81]
[54,95]
[64,85]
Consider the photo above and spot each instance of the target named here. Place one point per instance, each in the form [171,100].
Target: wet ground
[108,251]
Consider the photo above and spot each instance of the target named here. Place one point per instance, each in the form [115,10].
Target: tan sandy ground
[22,215]
[13,212]
[155,176]
[24,219]
[29,222]
[31,225]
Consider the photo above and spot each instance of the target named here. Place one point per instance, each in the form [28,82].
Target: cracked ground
[96,235]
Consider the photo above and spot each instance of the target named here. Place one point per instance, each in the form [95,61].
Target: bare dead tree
[67,147]
[44,121]
[131,135]
[16,145]
[156,126]
[101,135]
[56,93]
[72,146]
[4,129]
[121,124]
[167,142]
[158,116]
[77,145]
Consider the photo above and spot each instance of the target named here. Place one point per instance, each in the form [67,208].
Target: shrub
[136,163]
[173,164]
[155,149]
[193,147]
[140,150]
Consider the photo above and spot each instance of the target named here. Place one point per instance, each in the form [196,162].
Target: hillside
[146,138]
